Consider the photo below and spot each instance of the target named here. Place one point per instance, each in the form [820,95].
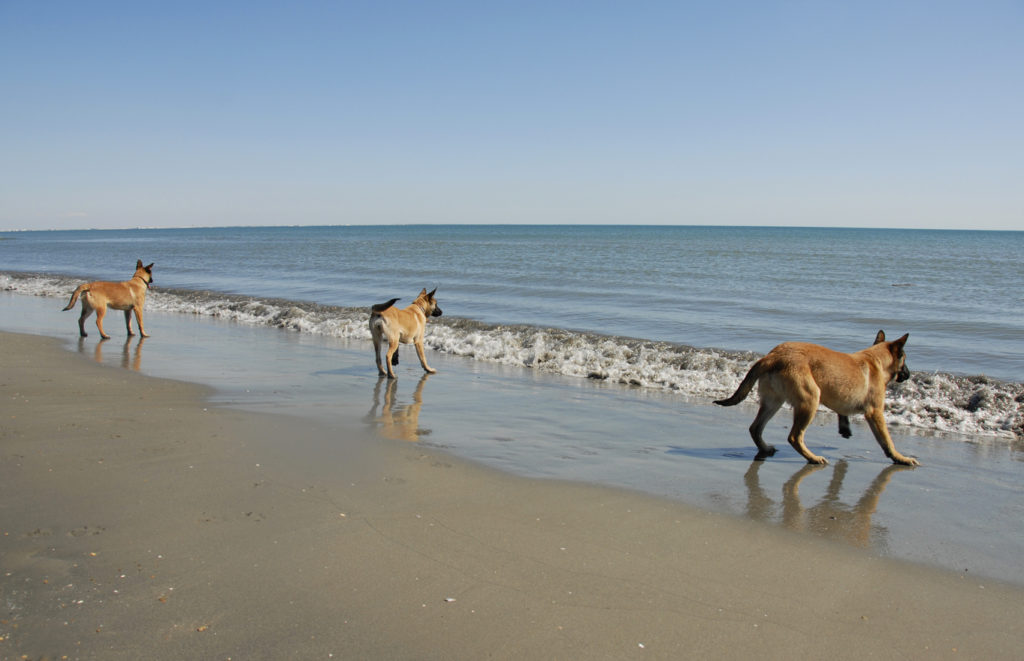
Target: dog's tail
[380,307]
[756,372]
[74,297]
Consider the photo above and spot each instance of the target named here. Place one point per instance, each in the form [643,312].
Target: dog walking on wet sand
[402,326]
[129,296]
[806,375]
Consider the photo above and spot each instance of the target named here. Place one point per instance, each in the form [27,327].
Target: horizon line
[425,224]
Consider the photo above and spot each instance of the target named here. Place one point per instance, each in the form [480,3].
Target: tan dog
[804,375]
[402,326]
[129,296]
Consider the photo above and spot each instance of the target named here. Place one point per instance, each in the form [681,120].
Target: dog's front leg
[423,358]
[138,319]
[876,421]
[844,427]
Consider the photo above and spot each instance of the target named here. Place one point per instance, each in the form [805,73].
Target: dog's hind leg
[86,311]
[128,322]
[844,427]
[389,356]
[100,313]
[394,358]
[377,335]
[376,356]
[770,405]
[803,414]
[876,420]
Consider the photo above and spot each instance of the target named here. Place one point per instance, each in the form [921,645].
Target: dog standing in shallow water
[402,326]
[804,375]
[129,296]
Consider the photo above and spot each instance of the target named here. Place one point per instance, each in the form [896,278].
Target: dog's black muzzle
[436,312]
[903,374]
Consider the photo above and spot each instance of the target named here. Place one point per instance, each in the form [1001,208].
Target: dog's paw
[906,461]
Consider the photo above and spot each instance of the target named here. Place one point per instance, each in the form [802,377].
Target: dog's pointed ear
[431,294]
[880,337]
[423,292]
[150,267]
[138,264]
[900,342]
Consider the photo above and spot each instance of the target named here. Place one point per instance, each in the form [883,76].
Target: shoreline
[526,423]
[931,401]
[141,520]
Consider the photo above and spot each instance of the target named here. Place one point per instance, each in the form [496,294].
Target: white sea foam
[973,405]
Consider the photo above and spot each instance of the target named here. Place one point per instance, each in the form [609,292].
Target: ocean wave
[936,402]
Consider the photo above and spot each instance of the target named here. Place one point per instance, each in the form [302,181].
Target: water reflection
[129,359]
[393,419]
[830,516]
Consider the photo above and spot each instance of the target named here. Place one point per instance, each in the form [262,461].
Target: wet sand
[961,511]
[141,521]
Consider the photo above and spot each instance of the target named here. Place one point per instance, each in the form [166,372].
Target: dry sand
[137,521]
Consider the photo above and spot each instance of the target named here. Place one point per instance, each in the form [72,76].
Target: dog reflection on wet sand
[129,359]
[830,517]
[400,422]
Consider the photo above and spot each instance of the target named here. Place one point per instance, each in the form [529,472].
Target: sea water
[679,309]
[593,353]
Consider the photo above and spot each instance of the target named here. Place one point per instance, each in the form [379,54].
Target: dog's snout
[436,312]
[903,374]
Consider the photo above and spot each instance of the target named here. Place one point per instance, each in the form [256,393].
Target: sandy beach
[141,521]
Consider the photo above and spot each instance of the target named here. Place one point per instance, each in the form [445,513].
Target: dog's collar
[143,279]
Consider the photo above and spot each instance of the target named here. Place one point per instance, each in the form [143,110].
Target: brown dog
[129,296]
[402,326]
[804,375]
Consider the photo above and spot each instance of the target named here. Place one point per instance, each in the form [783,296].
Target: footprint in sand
[86,530]
[38,532]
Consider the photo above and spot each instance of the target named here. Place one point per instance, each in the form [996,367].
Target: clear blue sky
[892,114]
